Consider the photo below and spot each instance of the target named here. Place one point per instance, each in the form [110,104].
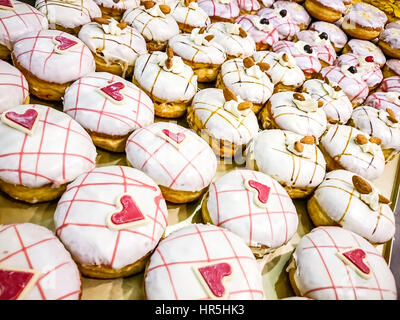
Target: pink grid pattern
[323,252]
[391,84]
[22,251]
[215,9]
[204,237]
[258,35]
[12,80]
[379,100]
[286,28]
[43,152]
[248,5]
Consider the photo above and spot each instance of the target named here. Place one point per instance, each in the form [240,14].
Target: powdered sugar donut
[340,201]
[116,8]
[296,112]
[220,10]
[306,58]
[215,116]
[111,219]
[34,265]
[14,88]
[203,56]
[336,35]
[379,123]
[91,101]
[391,84]
[36,164]
[248,6]
[247,80]
[370,71]
[21,18]
[155,71]
[154,22]
[40,56]
[184,263]
[115,46]
[349,80]
[389,41]
[263,33]
[348,148]
[280,19]
[336,104]
[365,48]
[267,225]
[297,13]
[236,42]
[385,100]
[189,15]
[325,10]
[293,160]
[68,15]
[391,68]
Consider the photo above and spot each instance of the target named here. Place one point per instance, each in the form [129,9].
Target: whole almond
[361,185]
[285,57]
[245,105]
[320,103]
[209,37]
[101,20]
[187,2]
[248,62]
[170,52]
[392,116]
[263,66]
[165,8]
[298,96]
[229,95]
[122,25]
[149,4]
[298,146]
[308,140]
[168,63]
[361,139]
[337,88]
[202,30]
[242,33]
[383,199]
[375,140]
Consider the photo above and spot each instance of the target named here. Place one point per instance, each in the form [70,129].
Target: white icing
[371,199]
[191,15]
[260,26]
[308,105]
[383,115]
[391,84]
[232,107]
[287,29]
[113,29]
[261,33]
[255,72]
[121,5]
[371,148]
[393,65]
[381,100]
[307,152]
[365,15]
[336,34]
[177,65]
[213,8]
[155,11]
[322,47]
[224,1]
[199,39]
[298,14]
[393,97]
[366,48]
[232,28]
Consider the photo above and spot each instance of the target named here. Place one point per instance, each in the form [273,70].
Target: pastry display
[296,12]
[365,48]
[114,223]
[384,101]
[220,10]
[116,8]
[336,36]
[281,20]
[325,10]
[189,15]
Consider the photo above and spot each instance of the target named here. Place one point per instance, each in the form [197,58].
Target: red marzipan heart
[213,276]
[129,213]
[12,283]
[6,3]
[262,190]
[65,43]
[26,120]
[177,137]
[113,91]
[356,257]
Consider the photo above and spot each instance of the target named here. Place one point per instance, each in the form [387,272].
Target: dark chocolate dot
[323,36]
[264,21]
[283,13]
[308,49]
[352,69]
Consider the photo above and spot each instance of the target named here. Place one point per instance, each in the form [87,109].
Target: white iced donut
[220,10]
[391,84]
[351,83]
[189,15]
[267,3]
[321,44]
[200,262]
[343,150]
[280,19]
[233,203]
[283,70]
[111,218]
[34,265]
[337,105]
[116,8]
[236,42]
[325,10]
[275,152]
[365,48]
[176,158]
[320,269]
[340,200]
[297,13]
[14,89]
[248,6]
[391,68]
[336,35]
[389,41]
[384,100]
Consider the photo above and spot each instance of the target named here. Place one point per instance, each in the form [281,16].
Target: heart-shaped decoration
[261,192]
[127,215]
[113,92]
[15,284]
[6,5]
[355,258]
[176,139]
[25,122]
[212,277]
[63,44]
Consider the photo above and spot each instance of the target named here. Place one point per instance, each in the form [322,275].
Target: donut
[111,219]
[155,71]
[333,263]
[382,124]
[115,46]
[202,262]
[394,24]
[365,48]
[353,203]
[109,108]
[335,34]
[325,10]
[247,80]
[349,80]
[370,71]
[263,33]
[41,56]
[389,42]
[19,19]
[34,265]
[280,19]
[294,160]
[248,6]
[306,58]
[253,206]
[391,84]
[391,68]
[215,115]
[201,52]
[336,104]
[297,13]
[189,15]
[385,100]
[116,8]
[283,70]
[155,22]
[14,89]
[391,8]
[68,15]
[236,42]
[177,159]
[42,149]
[348,148]
[220,10]
[364,21]
[321,44]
